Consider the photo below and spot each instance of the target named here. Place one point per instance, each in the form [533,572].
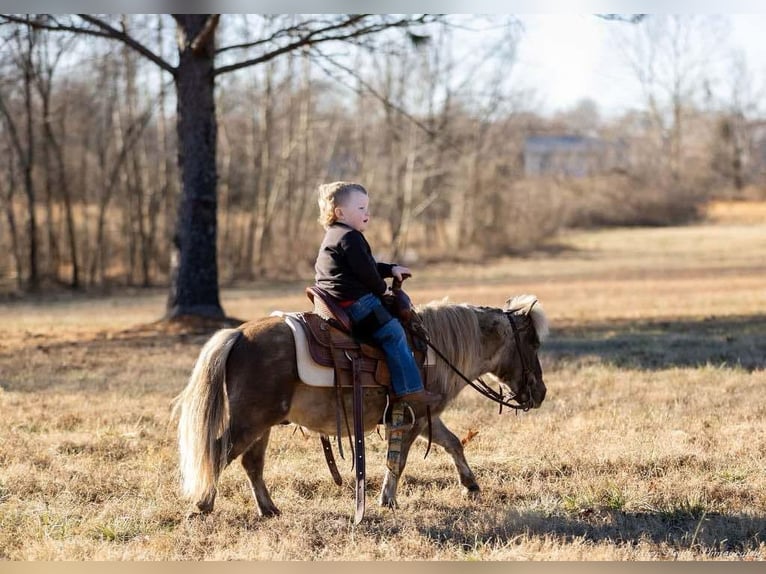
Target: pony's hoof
[388,503]
[205,505]
[270,512]
[472,491]
[195,515]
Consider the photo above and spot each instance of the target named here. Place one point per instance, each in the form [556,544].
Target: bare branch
[40,24]
[342,31]
[303,27]
[371,90]
[103,30]
[284,32]
[629,18]
[128,40]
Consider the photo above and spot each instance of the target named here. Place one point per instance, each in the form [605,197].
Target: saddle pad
[309,371]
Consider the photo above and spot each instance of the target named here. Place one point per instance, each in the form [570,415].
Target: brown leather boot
[419,400]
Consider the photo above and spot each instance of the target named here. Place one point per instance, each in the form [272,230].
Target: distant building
[571,155]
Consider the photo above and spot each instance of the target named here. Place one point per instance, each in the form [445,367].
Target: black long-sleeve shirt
[345,267]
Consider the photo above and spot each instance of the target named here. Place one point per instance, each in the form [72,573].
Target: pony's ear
[521,304]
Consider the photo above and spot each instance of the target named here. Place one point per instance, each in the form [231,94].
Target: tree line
[107,142]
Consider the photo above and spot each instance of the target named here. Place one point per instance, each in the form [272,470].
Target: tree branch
[631,18]
[39,24]
[284,32]
[372,91]
[295,30]
[104,30]
[128,40]
[314,37]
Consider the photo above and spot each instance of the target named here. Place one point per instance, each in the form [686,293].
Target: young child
[346,269]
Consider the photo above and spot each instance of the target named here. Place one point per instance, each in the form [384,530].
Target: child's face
[354,211]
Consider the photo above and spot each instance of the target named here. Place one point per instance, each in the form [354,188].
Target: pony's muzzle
[534,395]
[538,394]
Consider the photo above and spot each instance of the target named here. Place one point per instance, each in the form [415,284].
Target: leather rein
[480,385]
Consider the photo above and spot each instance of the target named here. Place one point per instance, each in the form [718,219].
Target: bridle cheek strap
[525,370]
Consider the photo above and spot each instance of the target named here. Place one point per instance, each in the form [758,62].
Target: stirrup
[396,421]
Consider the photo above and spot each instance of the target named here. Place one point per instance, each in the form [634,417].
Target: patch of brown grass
[736,212]
[649,446]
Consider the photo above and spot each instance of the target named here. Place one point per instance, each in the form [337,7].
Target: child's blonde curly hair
[332,195]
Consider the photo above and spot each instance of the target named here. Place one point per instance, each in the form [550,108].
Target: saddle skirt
[324,354]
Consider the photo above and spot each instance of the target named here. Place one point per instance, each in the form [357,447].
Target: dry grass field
[650,445]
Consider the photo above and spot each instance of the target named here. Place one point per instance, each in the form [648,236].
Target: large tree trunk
[194,282]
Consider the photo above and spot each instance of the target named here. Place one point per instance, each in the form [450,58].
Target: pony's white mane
[454,330]
[529,305]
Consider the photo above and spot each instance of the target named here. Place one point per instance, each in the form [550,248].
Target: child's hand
[400,272]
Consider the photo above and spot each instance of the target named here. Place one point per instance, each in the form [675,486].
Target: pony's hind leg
[204,505]
[253,460]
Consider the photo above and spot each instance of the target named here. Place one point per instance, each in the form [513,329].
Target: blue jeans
[405,376]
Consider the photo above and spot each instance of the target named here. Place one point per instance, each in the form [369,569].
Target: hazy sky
[567,57]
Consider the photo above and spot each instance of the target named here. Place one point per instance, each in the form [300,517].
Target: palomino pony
[245,381]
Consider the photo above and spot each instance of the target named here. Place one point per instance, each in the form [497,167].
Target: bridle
[481,386]
[526,371]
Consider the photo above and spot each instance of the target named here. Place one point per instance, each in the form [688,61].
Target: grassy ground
[650,445]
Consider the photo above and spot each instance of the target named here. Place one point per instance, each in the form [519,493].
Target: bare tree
[8,192]
[732,147]
[422,146]
[44,82]
[672,57]
[194,286]
[112,170]
[23,136]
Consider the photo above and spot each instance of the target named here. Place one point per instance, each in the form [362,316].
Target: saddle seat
[331,344]
[326,306]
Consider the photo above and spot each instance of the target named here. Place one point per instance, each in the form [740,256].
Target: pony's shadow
[712,533]
[732,341]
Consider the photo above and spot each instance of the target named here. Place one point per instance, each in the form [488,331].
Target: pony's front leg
[253,460]
[391,480]
[446,439]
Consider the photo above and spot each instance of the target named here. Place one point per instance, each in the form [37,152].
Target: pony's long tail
[203,425]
